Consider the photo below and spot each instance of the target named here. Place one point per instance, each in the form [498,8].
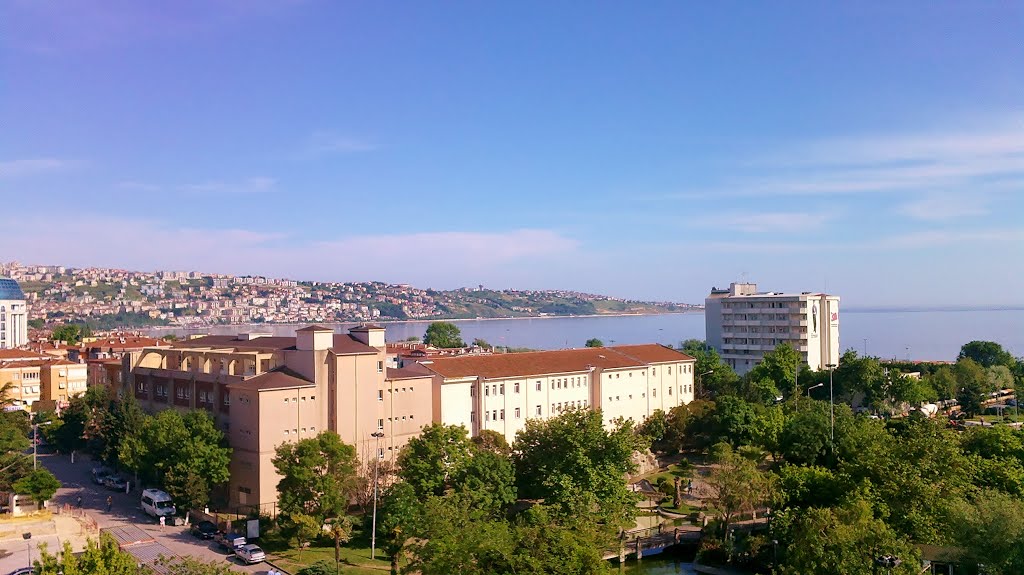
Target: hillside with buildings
[107,298]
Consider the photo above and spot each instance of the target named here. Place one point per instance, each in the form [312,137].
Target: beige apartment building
[40,381]
[500,392]
[264,391]
[743,324]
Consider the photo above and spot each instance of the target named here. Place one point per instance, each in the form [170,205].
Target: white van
[157,503]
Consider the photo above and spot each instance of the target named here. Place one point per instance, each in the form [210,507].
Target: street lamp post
[831,405]
[699,388]
[813,387]
[28,543]
[35,441]
[376,455]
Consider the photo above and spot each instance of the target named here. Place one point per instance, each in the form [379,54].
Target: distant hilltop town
[110,298]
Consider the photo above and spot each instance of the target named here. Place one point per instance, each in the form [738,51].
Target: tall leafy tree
[737,486]
[594,342]
[444,334]
[318,476]
[973,385]
[402,517]
[987,354]
[715,376]
[431,462]
[103,557]
[573,463]
[991,531]
[39,483]
[780,367]
[14,464]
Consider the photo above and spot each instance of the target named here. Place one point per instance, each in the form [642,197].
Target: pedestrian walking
[79,501]
[110,502]
[163,521]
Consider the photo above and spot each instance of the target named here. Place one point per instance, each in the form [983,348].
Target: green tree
[318,477]
[973,385]
[70,332]
[14,426]
[488,480]
[943,382]
[987,354]
[482,343]
[340,530]
[999,377]
[401,518]
[490,440]
[103,557]
[192,566]
[712,375]
[431,462]
[443,334]
[845,539]
[39,483]
[124,420]
[991,531]
[594,342]
[655,428]
[766,428]
[574,464]
[780,367]
[737,486]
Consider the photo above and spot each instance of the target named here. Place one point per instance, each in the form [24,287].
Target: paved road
[125,509]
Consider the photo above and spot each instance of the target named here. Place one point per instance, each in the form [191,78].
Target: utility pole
[376,465]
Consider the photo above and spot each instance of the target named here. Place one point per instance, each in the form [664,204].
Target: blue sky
[646,150]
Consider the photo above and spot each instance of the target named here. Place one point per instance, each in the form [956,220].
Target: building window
[501,389]
[380,367]
[472,417]
[380,424]
[487,415]
[670,391]
[380,453]
[538,410]
[518,413]
[380,395]
[472,391]
[516,387]
[654,393]
[503,415]
[538,386]
[670,370]
[487,390]
[494,415]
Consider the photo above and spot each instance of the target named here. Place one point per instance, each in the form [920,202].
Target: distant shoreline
[402,321]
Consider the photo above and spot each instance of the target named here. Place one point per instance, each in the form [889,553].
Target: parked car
[250,553]
[204,529]
[22,571]
[157,503]
[115,482]
[99,474]
[229,541]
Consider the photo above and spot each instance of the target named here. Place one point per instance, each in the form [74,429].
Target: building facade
[743,324]
[264,391]
[13,315]
[40,381]
[500,392]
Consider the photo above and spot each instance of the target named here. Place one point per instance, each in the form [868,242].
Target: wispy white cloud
[942,207]
[253,185]
[32,166]
[329,143]
[446,258]
[774,222]
[1009,239]
[928,162]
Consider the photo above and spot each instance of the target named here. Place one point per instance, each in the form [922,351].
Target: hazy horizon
[648,152]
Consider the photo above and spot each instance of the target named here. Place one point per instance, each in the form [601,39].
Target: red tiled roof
[21,354]
[413,371]
[345,344]
[549,362]
[277,379]
[274,343]
[652,353]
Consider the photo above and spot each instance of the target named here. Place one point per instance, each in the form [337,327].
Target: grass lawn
[355,555]
[670,474]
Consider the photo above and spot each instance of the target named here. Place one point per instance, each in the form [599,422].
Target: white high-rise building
[743,324]
[13,315]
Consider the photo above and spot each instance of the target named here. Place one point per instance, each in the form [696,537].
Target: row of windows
[30,389]
[380,422]
[26,375]
[380,392]
[295,431]
[688,388]
[296,400]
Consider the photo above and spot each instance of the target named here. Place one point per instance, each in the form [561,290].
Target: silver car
[250,553]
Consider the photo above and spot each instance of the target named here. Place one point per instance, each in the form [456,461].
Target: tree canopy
[987,354]
[443,334]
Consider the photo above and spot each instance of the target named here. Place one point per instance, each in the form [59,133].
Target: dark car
[100,474]
[204,529]
[22,571]
[115,482]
